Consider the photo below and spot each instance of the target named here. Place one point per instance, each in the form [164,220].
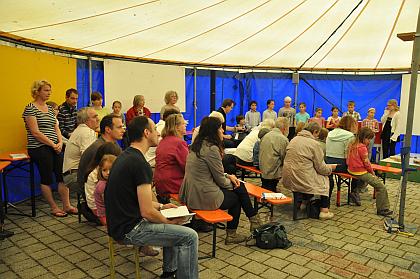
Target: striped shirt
[46,123]
[372,124]
[67,119]
[252,118]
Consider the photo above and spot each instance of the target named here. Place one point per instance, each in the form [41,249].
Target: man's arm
[150,209]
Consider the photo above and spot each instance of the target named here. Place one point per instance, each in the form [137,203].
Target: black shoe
[5,234]
[201,226]
[385,212]
[355,198]
[166,274]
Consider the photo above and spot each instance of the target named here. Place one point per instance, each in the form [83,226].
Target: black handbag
[270,236]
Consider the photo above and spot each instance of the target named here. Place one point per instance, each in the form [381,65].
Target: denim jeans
[180,246]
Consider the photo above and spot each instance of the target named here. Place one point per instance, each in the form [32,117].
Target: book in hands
[181,211]
[18,155]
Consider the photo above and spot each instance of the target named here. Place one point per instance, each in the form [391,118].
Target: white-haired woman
[138,109]
[44,146]
[171,97]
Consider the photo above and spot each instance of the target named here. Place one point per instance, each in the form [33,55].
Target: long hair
[348,123]
[106,148]
[171,123]
[106,158]
[364,133]
[208,132]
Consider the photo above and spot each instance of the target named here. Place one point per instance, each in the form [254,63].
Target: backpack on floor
[270,236]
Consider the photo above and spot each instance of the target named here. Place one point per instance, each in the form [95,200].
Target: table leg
[32,178]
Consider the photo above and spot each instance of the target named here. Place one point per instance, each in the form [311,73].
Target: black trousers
[388,148]
[270,184]
[325,201]
[233,202]
[229,163]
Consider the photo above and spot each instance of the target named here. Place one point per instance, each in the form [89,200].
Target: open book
[18,155]
[181,211]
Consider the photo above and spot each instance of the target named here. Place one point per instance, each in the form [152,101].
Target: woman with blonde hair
[391,128]
[171,97]
[44,146]
[171,156]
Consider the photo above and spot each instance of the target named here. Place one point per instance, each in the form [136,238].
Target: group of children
[252,117]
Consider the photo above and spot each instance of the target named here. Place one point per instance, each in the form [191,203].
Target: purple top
[99,199]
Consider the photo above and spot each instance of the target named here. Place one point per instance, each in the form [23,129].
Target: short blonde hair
[268,123]
[37,85]
[169,94]
[217,115]
[171,123]
[136,100]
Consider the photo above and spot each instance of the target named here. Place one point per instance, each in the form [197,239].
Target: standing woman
[171,97]
[171,156]
[391,128]
[44,146]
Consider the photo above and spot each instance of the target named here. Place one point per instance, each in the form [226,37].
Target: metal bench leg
[213,250]
[338,202]
[137,261]
[111,258]
[79,214]
[32,182]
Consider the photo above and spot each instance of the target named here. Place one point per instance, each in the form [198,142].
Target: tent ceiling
[259,33]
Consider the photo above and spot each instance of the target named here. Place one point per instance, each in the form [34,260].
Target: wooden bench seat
[248,168]
[210,216]
[257,191]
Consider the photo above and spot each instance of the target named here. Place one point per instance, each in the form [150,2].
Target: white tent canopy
[280,34]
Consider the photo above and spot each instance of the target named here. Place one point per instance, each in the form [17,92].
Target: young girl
[358,165]
[252,117]
[116,110]
[103,172]
[318,118]
[333,120]
[372,124]
[302,116]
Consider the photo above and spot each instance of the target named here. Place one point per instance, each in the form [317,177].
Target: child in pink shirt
[359,166]
[103,172]
[318,118]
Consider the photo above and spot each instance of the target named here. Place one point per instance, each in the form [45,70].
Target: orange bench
[248,168]
[257,191]
[381,171]
[340,178]
[210,216]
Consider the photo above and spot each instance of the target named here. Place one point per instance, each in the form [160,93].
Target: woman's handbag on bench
[270,236]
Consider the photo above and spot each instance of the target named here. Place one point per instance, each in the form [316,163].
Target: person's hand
[235,181]
[169,205]
[227,136]
[57,147]
[333,166]
[176,221]
[240,129]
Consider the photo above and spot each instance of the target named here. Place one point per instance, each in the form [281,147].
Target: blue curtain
[83,85]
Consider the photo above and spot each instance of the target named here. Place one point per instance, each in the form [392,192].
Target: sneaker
[326,215]
[385,212]
[355,198]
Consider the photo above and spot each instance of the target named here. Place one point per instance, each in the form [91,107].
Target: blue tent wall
[83,81]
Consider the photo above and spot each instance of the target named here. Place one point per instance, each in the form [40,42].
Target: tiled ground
[352,245]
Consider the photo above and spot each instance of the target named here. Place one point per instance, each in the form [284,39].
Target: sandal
[58,213]
[72,211]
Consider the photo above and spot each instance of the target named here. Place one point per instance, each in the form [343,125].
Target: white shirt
[79,141]
[244,151]
[90,187]
[396,128]
[269,114]
[150,155]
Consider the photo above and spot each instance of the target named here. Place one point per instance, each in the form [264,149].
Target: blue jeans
[180,246]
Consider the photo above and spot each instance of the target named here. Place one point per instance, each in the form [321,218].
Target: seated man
[134,218]
[272,152]
[81,138]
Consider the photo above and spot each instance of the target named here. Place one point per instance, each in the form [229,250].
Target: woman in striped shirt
[44,146]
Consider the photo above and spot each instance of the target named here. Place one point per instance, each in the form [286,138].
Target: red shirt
[132,112]
[171,157]
[358,160]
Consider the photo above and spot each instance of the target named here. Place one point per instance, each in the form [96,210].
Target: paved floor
[352,245]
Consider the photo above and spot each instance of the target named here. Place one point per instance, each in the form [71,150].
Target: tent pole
[415,62]
[195,97]
[295,81]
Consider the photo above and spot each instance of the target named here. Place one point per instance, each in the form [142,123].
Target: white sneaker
[326,215]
